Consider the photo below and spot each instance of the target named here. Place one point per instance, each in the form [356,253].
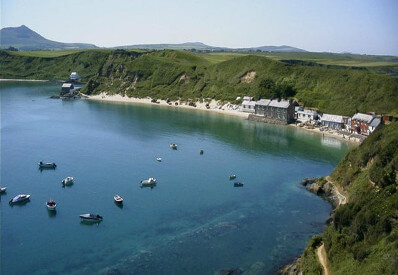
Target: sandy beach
[24,80]
[216,107]
[226,109]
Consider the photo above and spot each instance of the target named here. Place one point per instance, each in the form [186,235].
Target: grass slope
[363,237]
[190,76]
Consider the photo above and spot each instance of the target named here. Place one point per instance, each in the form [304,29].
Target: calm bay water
[193,222]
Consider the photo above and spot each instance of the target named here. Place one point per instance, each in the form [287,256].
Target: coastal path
[322,258]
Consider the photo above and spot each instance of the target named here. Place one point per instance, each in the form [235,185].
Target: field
[46,53]
[349,60]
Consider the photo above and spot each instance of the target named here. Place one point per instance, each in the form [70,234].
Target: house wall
[332,124]
[248,108]
[283,114]
[359,127]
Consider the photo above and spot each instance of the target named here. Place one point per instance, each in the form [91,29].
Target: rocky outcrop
[291,269]
[323,188]
[248,77]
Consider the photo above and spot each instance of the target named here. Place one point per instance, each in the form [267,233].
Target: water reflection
[90,222]
[148,122]
[21,203]
[52,213]
[331,142]
[118,204]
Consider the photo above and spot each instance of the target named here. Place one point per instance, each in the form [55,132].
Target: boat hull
[19,199]
[91,217]
[47,165]
[51,208]
[118,199]
[67,181]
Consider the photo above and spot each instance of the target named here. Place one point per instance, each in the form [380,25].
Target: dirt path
[322,258]
[341,197]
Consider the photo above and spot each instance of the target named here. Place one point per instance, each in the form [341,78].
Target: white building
[305,115]
[248,106]
[333,121]
[74,76]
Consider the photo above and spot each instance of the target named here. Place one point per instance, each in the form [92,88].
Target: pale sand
[226,109]
[24,80]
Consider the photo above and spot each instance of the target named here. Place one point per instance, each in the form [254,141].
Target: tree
[266,89]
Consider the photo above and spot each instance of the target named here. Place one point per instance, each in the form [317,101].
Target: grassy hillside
[190,76]
[363,236]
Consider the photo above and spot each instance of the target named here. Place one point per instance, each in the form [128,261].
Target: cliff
[362,237]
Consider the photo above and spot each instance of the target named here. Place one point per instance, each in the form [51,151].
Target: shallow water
[193,222]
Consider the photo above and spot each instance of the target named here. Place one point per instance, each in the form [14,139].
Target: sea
[194,221]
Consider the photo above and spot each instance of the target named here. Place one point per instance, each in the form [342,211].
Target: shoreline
[226,109]
[23,80]
[330,133]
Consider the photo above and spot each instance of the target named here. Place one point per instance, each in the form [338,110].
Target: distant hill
[199,46]
[24,38]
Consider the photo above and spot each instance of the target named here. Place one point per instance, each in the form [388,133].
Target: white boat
[118,198]
[149,182]
[173,146]
[67,181]
[3,189]
[51,205]
[91,217]
[20,198]
[159,159]
[49,165]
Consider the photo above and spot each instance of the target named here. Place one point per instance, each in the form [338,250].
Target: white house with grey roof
[333,121]
[304,115]
[248,104]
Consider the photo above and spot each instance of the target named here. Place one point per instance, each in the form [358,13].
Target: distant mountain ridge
[203,47]
[24,38]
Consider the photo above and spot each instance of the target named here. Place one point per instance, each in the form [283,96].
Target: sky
[356,26]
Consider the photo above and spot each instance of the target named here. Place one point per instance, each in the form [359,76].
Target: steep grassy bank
[190,76]
[363,235]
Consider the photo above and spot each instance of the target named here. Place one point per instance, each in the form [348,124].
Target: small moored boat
[118,199]
[159,159]
[67,181]
[238,184]
[91,217]
[149,181]
[3,189]
[173,146]
[47,165]
[232,177]
[20,198]
[51,205]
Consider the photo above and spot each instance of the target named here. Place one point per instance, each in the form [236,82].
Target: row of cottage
[285,112]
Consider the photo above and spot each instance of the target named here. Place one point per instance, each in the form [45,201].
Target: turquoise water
[193,222]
